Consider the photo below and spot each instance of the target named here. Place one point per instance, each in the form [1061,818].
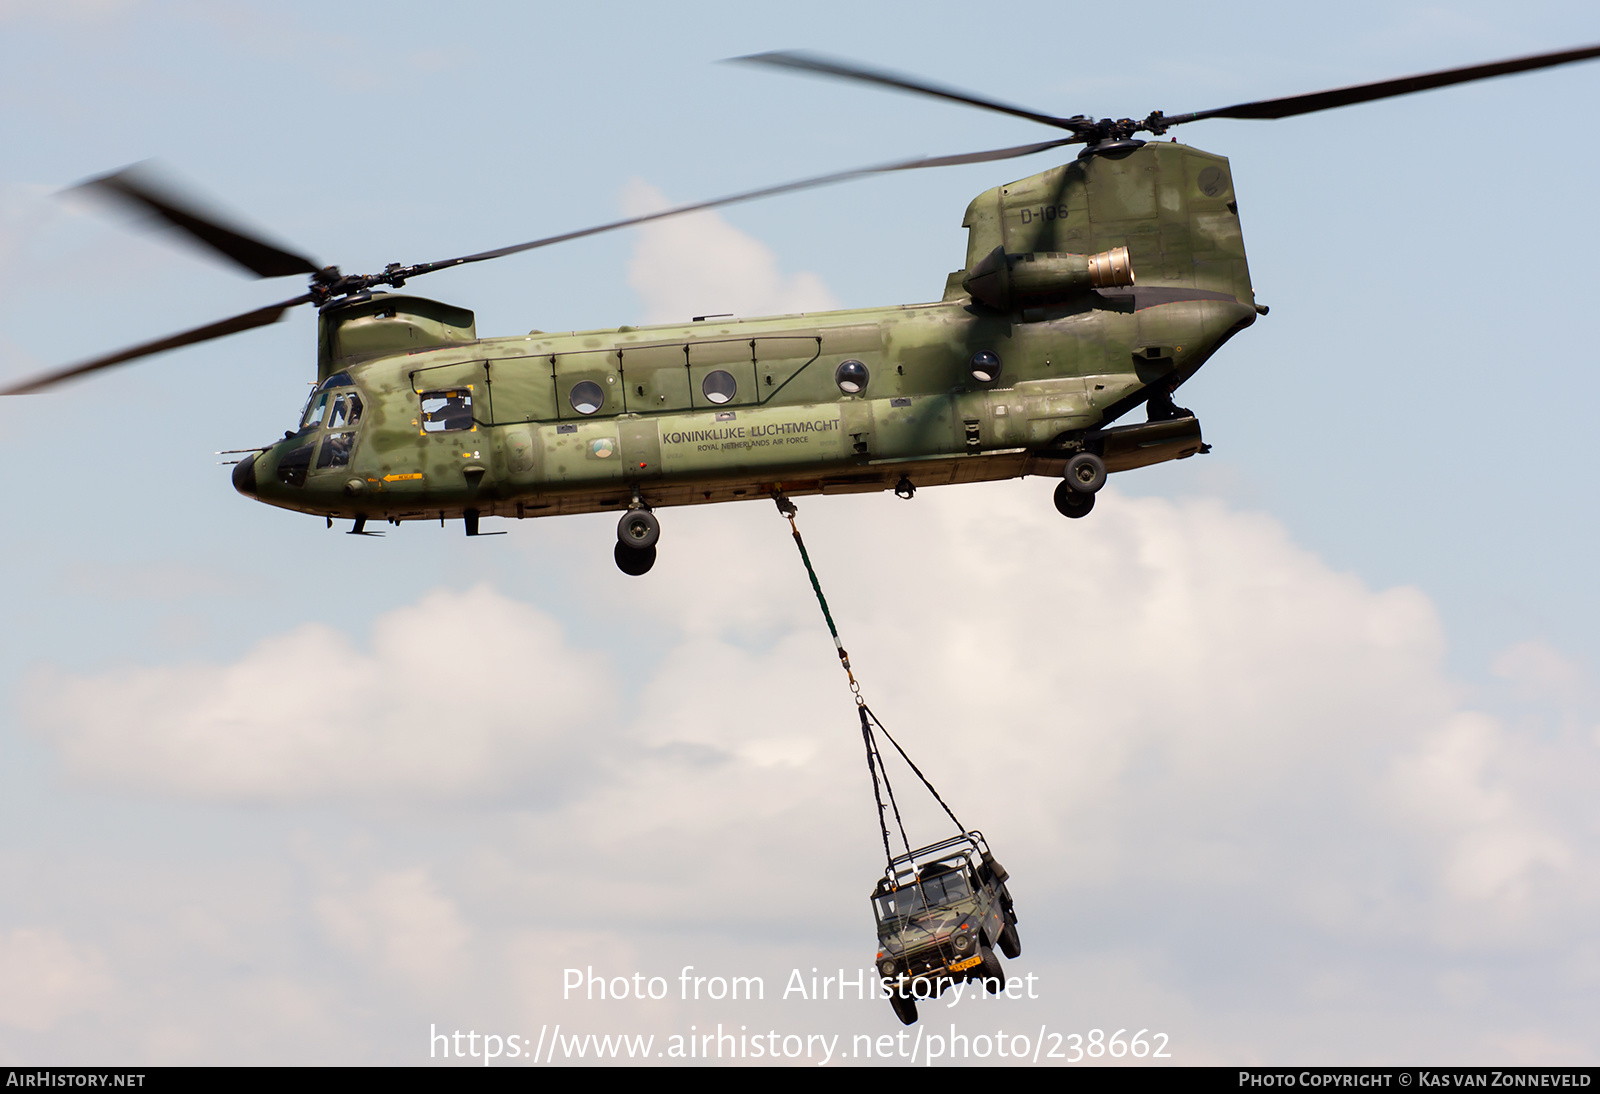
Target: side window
[719,387]
[852,377]
[446,411]
[587,397]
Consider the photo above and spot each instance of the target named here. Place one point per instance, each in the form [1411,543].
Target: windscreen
[931,892]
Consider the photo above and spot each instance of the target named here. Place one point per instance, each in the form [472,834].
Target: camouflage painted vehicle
[941,912]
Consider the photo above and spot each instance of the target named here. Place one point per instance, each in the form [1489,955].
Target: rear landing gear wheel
[904,1009]
[1070,503]
[632,561]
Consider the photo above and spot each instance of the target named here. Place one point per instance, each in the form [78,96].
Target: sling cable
[941,909]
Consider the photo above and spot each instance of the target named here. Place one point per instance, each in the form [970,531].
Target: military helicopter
[1089,289]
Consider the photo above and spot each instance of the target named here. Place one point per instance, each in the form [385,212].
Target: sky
[1289,749]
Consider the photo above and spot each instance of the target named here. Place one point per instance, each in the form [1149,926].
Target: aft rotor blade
[1385,89]
[751,195]
[261,317]
[827,66]
[139,187]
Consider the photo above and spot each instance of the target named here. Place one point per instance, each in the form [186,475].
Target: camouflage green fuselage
[725,409]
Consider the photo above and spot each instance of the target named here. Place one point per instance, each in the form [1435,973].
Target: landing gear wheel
[638,530]
[1010,944]
[990,971]
[904,1009]
[1070,503]
[632,562]
[1086,472]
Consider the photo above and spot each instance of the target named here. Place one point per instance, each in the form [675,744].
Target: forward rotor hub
[329,285]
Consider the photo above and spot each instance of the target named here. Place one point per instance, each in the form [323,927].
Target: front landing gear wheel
[1086,473]
[904,1009]
[638,530]
[1070,503]
[633,562]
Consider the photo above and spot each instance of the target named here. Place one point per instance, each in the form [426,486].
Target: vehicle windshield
[931,892]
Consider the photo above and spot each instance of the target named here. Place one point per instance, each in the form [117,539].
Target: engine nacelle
[1008,282]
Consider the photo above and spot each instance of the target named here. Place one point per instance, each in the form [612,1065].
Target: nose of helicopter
[244,475]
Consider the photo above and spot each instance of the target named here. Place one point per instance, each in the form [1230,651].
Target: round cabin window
[852,377]
[985,366]
[587,397]
[719,386]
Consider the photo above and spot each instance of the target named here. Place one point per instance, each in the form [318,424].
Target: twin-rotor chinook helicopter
[1089,289]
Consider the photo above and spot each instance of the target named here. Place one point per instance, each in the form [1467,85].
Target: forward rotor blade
[138,186]
[1385,89]
[825,66]
[751,195]
[261,317]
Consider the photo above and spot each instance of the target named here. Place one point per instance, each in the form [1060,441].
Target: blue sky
[1291,743]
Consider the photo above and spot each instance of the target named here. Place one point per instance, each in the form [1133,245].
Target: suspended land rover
[942,910]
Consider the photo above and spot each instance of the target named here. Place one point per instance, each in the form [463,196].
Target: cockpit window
[314,410]
[341,437]
[292,466]
[338,379]
[444,411]
[346,411]
[335,450]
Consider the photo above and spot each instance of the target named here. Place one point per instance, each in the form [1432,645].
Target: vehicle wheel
[991,972]
[1070,503]
[638,529]
[1010,944]
[634,563]
[904,1009]
[1086,472]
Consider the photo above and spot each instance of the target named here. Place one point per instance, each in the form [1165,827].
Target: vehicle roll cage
[957,850]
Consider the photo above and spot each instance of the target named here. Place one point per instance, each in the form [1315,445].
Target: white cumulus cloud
[44,977]
[1238,791]
[701,265]
[400,923]
[459,694]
